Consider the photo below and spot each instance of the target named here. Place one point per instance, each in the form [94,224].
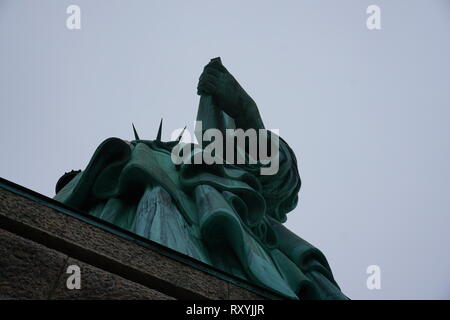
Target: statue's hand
[216,81]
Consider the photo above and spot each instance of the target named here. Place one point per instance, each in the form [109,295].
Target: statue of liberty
[225,214]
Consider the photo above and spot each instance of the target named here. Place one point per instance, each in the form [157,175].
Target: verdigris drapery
[225,215]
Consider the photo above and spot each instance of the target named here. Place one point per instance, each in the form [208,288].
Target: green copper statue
[226,214]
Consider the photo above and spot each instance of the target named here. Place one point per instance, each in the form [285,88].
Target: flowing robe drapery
[227,216]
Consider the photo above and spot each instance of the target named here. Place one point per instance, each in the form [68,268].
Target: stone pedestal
[40,238]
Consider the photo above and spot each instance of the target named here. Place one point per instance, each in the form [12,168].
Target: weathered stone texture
[238,293]
[41,242]
[28,270]
[149,264]
[99,284]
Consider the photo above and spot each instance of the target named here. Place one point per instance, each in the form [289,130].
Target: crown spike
[158,137]
[181,134]
[136,136]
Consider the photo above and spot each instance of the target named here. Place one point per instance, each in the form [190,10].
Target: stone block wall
[40,238]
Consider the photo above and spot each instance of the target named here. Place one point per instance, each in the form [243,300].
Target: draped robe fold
[227,216]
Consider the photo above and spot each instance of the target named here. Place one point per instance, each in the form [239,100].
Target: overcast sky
[366,112]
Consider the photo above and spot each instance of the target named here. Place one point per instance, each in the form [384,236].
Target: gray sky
[366,112]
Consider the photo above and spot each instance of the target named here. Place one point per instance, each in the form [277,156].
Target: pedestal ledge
[40,238]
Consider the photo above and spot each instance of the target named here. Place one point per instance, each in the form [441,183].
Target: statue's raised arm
[220,92]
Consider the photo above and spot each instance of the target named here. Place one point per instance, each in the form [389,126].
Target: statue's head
[65,179]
